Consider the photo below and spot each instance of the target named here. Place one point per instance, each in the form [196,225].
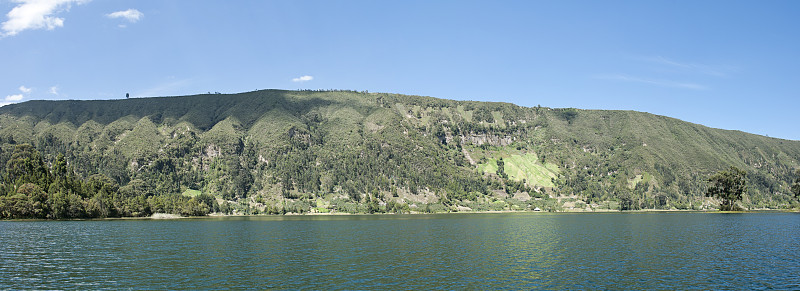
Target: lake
[440,251]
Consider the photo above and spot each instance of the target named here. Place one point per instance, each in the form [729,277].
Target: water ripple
[463,251]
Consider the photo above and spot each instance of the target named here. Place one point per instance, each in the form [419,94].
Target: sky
[724,64]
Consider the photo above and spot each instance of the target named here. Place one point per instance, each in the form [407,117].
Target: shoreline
[163,216]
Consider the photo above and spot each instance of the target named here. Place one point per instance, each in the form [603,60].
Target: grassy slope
[625,145]
[522,166]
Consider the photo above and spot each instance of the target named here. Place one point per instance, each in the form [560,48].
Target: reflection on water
[448,251]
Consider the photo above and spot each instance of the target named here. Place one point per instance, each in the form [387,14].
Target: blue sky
[724,64]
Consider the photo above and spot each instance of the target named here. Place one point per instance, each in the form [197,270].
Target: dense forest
[278,152]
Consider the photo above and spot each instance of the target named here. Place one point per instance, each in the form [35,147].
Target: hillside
[280,151]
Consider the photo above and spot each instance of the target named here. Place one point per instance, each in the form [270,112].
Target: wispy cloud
[54,90]
[35,14]
[657,82]
[25,90]
[132,15]
[305,78]
[665,72]
[716,71]
[171,86]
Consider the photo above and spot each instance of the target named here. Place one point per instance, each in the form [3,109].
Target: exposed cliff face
[488,139]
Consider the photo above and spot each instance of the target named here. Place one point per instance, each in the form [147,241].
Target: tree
[501,169]
[135,188]
[796,184]
[37,201]
[626,199]
[27,166]
[728,186]
[569,114]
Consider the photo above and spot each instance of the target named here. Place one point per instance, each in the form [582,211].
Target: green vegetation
[276,152]
[31,189]
[191,193]
[796,184]
[728,186]
[522,167]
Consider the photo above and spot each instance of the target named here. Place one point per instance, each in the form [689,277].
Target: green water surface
[444,251]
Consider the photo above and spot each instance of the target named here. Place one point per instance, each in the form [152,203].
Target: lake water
[445,251]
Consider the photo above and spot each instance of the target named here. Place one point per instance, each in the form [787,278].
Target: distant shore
[491,211]
[167,216]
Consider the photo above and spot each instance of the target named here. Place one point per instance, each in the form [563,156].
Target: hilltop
[276,151]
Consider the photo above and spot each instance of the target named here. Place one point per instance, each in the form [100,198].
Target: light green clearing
[322,206]
[645,177]
[524,166]
[191,192]
[467,115]
[498,118]
[424,114]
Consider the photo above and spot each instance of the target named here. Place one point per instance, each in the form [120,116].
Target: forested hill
[280,151]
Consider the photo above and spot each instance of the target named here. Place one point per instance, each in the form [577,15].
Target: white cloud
[657,82]
[54,90]
[36,14]
[131,15]
[15,97]
[303,78]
